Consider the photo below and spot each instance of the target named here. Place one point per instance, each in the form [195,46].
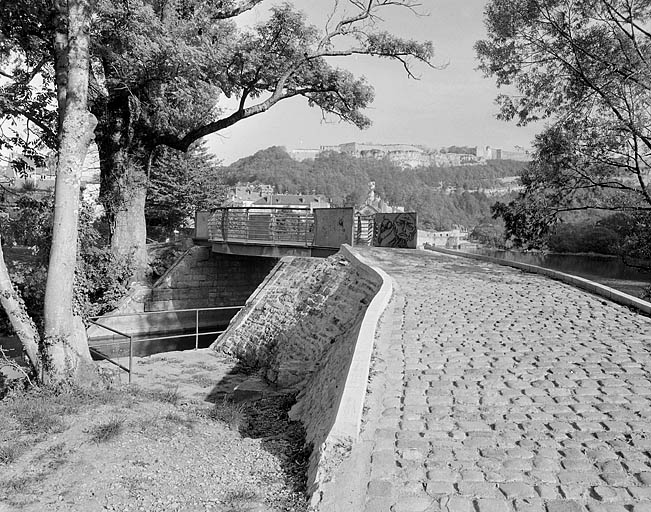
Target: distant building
[245,194]
[404,155]
[261,195]
[489,153]
[411,156]
[308,201]
[304,154]
[375,204]
[43,177]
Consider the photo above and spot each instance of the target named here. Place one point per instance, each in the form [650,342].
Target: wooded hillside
[442,196]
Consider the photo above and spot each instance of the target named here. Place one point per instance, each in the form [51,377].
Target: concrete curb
[349,413]
[580,282]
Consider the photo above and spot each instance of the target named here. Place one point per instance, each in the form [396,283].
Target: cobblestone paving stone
[508,392]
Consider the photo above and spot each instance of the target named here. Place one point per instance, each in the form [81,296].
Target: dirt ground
[171,441]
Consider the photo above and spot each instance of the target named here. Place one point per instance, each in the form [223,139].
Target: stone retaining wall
[202,279]
[301,328]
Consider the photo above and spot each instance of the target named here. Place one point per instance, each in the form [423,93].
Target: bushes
[101,280]
[584,237]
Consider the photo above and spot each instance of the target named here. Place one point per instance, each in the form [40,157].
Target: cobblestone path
[507,391]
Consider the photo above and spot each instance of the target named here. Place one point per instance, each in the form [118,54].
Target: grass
[10,452]
[170,396]
[230,413]
[239,500]
[202,380]
[106,431]
[18,484]
[38,415]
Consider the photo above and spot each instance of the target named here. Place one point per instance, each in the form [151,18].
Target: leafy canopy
[172,60]
[585,67]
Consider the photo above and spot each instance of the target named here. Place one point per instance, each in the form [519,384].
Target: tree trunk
[123,178]
[129,228]
[65,354]
[20,320]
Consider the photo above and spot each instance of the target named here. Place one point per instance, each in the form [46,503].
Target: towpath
[495,390]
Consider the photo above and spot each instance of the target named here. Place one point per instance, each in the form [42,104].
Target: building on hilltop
[411,156]
[304,154]
[404,155]
[488,153]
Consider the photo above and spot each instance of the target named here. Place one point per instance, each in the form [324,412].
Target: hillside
[442,196]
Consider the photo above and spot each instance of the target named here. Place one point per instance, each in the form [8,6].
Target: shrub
[106,431]
[230,413]
[101,279]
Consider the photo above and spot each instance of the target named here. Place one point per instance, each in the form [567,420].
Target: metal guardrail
[130,337]
[98,353]
[256,225]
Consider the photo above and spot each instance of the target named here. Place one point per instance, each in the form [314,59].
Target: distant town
[412,156]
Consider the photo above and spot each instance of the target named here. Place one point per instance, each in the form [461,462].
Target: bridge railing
[255,225]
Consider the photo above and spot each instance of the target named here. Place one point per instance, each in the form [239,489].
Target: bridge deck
[498,390]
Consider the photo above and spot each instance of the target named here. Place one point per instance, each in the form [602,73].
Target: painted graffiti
[396,230]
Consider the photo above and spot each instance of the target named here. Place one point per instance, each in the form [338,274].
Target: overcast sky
[450,106]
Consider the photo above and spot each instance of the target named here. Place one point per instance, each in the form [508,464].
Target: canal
[607,270]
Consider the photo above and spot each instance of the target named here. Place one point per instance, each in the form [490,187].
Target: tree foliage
[585,67]
[159,69]
[100,279]
[179,184]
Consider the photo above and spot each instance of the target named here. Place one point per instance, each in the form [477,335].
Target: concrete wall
[396,230]
[333,227]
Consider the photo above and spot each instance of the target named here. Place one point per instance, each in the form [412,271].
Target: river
[607,270]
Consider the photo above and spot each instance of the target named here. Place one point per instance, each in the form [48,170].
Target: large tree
[585,67]
[62,354]
[160,67]
[152,72]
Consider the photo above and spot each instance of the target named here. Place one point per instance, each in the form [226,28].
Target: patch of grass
[53,457]
[202,380]
[18,484]
[37,415]
[107,431]
[10,452]
[230,413]
[170,396]
[177,419]
[239,500]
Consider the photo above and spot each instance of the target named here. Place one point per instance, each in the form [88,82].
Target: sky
[449,106]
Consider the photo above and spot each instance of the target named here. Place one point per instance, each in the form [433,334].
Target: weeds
[10,452]
[18,484]
[239,500]
[107,431]
[37,415]
[230,413]
[171,396]
[202,380]
[177,419]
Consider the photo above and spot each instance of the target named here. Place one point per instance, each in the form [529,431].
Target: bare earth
[168,442]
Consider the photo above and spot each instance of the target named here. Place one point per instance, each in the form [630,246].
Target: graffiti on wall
[396,230]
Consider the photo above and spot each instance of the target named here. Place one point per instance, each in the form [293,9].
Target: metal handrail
[128,370]
[93,321]
[146,313]
[262,225]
